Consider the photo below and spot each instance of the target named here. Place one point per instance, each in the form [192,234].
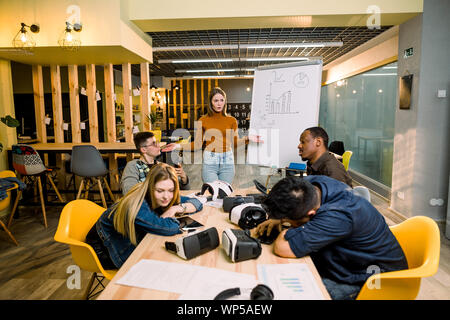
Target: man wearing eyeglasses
[136,170]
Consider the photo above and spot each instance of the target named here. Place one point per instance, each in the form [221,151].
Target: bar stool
[27,162]
[87,162]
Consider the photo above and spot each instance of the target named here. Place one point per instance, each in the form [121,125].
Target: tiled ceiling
[351,37]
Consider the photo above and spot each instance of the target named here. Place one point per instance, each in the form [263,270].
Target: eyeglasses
[154,144]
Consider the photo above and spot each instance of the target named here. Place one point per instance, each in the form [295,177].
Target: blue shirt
[346,236]
[147,221]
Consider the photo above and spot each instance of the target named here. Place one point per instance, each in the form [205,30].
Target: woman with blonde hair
[149,207]
[219,131]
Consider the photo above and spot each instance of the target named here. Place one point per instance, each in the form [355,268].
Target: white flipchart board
[285,101]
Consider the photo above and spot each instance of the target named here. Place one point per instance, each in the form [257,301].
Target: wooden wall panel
[57,103]
[39,105]
[127,102]
[74,99]
[145,97]
[91,91]
[110,109]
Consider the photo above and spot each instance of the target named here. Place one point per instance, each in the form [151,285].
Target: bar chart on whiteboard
[285,101]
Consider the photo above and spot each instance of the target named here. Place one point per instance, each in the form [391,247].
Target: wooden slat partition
[110,109]
[174,105]
[203,96]
[57,103]
[92,102]
[127,102]
[39,105]
[195,101]
[74,103]
[145,97]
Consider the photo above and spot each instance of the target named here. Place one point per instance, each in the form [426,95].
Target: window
[360,111]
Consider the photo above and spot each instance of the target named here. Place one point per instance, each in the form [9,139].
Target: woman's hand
[266,227]
[180,172]
[170,147]
[172,211]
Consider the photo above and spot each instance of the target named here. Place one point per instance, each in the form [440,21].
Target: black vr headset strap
[205,187]
[260,292]
[228,293]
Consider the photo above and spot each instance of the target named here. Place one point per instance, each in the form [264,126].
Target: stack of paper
[192,282]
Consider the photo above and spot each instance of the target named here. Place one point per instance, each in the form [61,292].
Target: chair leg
[81,188]
[100,188]
[268,179]
[89,293]
[41,194]
[109,190]
[16,203]
[88,288]
[86,194]
[55,188]
[9,233]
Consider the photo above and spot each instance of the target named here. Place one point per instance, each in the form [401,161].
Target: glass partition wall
[360,111]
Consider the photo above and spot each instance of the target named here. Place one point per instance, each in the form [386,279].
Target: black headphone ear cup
[261,292]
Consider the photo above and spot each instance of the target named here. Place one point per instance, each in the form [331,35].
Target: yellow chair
[419,238]
[5,203]
[346,158]
[77,218]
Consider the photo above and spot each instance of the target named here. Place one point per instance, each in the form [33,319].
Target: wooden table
[152,247]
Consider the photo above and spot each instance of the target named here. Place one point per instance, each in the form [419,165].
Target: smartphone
[269,239]
[187,223]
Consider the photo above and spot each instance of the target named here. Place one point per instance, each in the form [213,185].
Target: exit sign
[408,53]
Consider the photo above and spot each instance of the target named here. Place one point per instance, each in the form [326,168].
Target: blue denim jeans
[218,166]
[341,291]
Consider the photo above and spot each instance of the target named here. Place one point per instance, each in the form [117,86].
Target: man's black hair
[318,132]
[141,137]
[291,197]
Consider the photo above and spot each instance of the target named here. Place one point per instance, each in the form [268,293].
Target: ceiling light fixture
[23,40]
[195,60]
[237,59]
[214,77]
[276,59]
[252,46]
[211,70]
[70,40]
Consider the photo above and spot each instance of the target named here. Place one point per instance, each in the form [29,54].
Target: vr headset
[218,189]
[231,202]
[194,244]
[248,215]
[239,245]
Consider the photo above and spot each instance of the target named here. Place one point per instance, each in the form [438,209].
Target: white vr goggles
[218,189]
[248,215]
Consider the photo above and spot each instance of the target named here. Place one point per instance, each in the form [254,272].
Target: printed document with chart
[291,281]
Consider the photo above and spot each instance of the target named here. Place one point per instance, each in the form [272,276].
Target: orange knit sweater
[214,131]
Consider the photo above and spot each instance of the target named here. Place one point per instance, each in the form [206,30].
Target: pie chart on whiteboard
[301,80]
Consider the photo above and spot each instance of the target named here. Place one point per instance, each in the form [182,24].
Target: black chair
[88,163]
[337,147]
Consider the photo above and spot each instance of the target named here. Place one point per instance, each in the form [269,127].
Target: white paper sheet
[193,282]
[291,281]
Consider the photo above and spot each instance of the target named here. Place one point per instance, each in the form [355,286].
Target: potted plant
[10,122]
[152,118]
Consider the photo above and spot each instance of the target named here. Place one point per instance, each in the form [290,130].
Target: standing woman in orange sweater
[219,131]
